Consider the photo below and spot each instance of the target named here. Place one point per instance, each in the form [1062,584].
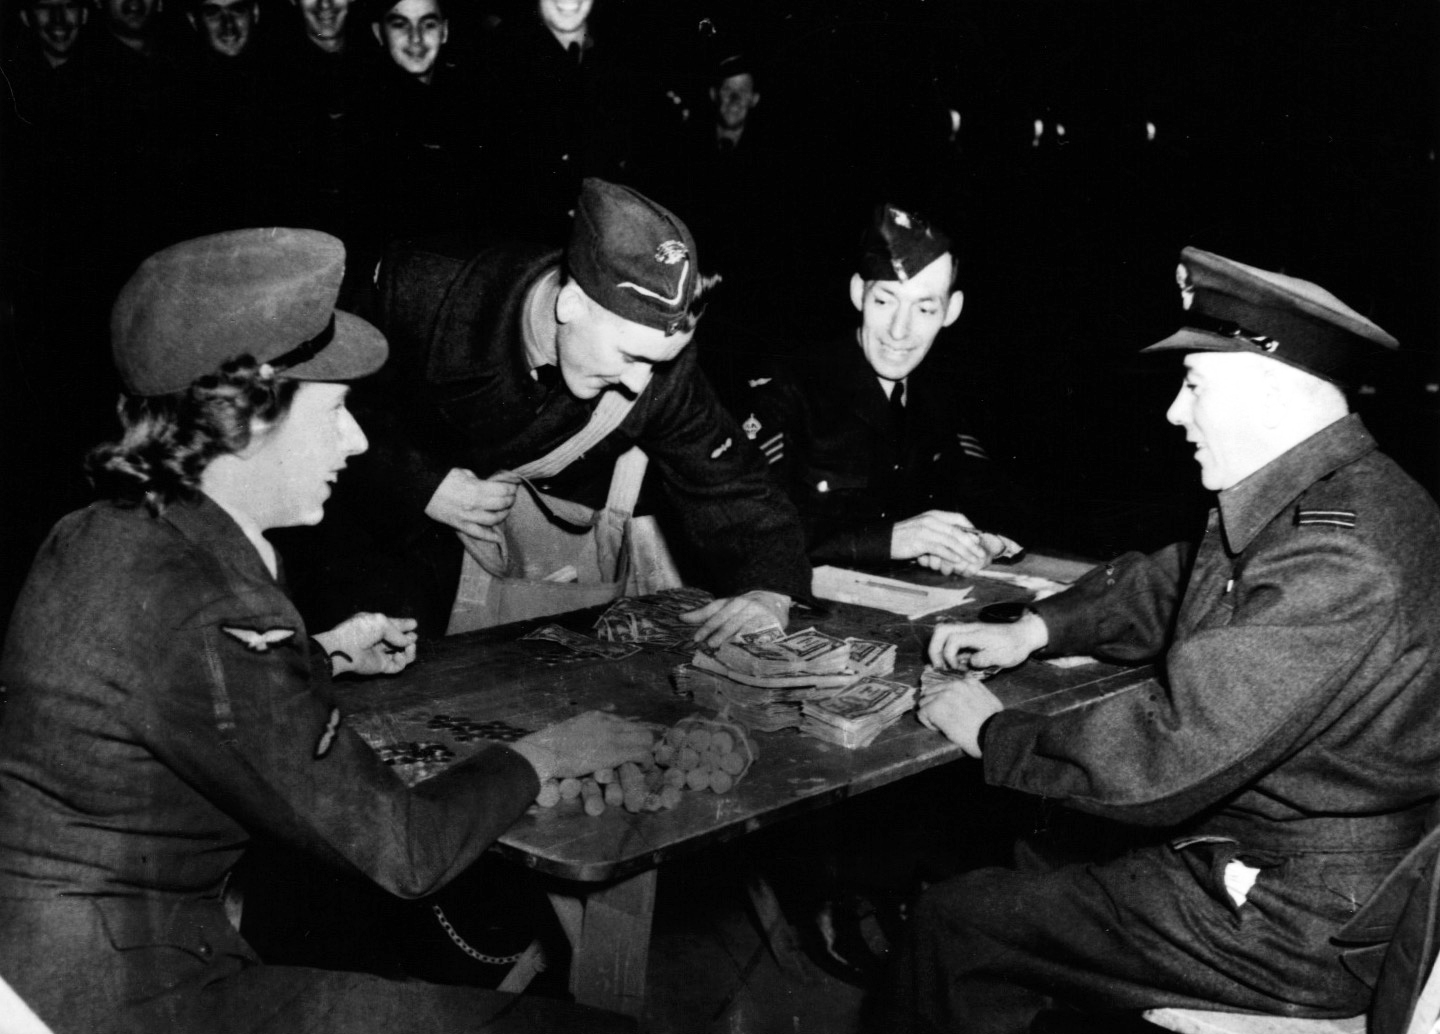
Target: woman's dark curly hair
[169,440]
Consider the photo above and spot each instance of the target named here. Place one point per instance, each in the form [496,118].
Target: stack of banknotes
[858,713]
[766,678]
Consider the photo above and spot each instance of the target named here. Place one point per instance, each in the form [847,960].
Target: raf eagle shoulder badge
[257,640]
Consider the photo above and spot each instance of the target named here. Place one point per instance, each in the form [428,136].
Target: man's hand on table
[974,645]
[584,744]
[944,541]
[957,712]
[723,619]
[369,644]
[473,505]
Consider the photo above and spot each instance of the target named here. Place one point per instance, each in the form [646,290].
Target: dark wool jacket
[846,473]
[166,703]
[1296,716]
[457,392]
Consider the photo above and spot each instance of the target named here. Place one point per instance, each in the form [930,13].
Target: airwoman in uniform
[166,701]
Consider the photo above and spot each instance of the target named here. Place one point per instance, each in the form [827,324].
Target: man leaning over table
[1286,758]
[166,705]
[502,355]
[875,444]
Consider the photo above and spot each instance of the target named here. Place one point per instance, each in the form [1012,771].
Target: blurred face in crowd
[57,25]
[899,319]
[597,349]
[565,18]
[412,33]
[291,465]
[1222,407]
[734,98]
[325,21]
[226,25]
[130,18]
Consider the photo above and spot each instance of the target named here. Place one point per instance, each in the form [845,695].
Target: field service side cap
[634,257]
[898,244]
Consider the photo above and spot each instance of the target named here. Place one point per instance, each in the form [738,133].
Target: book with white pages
[881,593]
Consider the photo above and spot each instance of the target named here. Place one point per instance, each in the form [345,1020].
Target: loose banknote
[581,644]
[653,620]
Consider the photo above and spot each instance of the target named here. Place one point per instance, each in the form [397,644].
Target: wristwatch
[1004,613]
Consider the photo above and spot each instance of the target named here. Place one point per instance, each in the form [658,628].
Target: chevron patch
[1336,518]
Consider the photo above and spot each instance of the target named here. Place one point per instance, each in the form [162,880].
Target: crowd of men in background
[132,124]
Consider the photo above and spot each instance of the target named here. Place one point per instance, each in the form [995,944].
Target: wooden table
[609,863]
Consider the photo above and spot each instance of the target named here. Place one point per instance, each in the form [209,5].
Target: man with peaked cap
[166,702]
[883,462]
[501,357]
[1284,760]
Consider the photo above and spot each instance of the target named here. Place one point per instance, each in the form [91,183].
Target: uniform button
[205,950]
[564,157]
[896,467]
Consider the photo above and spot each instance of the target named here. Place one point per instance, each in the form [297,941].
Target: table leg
[609,932]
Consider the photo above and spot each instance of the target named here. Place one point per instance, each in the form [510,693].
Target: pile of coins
[415,753]
[698,753]
[462,729]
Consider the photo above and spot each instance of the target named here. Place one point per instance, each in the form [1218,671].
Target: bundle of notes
[857,714]
[762,678]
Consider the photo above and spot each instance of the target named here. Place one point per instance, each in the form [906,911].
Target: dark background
[1296,136]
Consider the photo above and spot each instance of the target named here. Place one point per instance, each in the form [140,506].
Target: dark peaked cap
[267,293]
[898,244]
[1232,307]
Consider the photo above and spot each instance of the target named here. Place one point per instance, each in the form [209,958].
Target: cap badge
[1187,288]
[671,251]
[901,219]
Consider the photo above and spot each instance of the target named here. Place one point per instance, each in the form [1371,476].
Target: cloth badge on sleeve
[774,448]
[259,641]
[751,427]
[1336,518]
[327,738]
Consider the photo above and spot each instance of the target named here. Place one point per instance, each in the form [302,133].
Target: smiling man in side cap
[883,462]
[503,356]
[1283,762]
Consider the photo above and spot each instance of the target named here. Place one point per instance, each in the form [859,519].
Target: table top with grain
[494,676]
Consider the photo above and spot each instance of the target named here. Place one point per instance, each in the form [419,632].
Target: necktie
[897,411]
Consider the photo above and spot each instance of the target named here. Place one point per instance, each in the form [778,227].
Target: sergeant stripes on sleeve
[1338,518]
[970,445]
[774,447]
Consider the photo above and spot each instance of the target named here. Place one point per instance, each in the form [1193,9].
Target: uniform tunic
[1293,730]
[458,392]
[165,702]
[827,427]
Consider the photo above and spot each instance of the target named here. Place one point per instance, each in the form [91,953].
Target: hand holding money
[972,644]
[957,709]
[725,618]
